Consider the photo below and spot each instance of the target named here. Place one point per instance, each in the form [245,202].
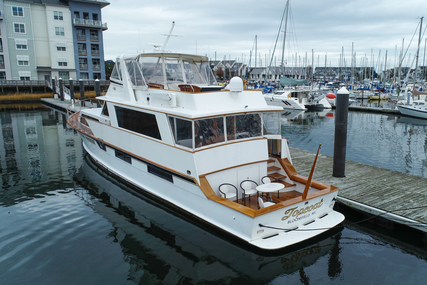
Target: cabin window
[116,71]
[192,73]
[123,156]
[243,126]
[209,131]
[139,122]
[152,69]
[173,71]
[135,73]
[159,172]
[272,123]
[182,131]
[105,110]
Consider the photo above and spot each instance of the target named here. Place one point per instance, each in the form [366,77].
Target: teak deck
[372,189]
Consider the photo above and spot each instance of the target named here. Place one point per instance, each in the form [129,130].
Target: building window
[17,11]
[57,15]
[76,15]
[61,47]
[82,49]
[96,64]
[21,44]
[23,60]
[1,61]
[97,76]
[95,17]
[94,35]
[24,75]
[2,75]
[64,74]
[59,31]
[83,63]
[19,28]
[62,61]
[84,75]
[94,50]
[81,35]
[1,45]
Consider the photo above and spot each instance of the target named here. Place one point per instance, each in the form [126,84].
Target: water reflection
[162,244]
[65,222]
[34,149]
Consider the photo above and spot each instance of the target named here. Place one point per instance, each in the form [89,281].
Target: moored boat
[167,128]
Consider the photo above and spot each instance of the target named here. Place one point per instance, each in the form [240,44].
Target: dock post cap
[343,91]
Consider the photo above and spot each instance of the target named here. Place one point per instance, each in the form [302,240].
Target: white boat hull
[413,111]
[217,215]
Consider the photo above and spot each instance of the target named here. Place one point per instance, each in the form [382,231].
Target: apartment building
[43,39]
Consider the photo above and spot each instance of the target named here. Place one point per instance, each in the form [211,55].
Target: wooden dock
[398,197]
[66,104]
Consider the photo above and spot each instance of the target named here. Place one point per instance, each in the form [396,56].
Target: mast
[418,48]
[284,35]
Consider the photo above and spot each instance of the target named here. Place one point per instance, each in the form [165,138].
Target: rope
[350,224]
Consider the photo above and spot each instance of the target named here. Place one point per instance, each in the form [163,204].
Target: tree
[109,65]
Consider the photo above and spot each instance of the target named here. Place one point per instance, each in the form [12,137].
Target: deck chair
[248,188]
[226,191]
[263,204]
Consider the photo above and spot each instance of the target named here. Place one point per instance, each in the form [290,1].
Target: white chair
[263,204]
[226,189]
[248,188]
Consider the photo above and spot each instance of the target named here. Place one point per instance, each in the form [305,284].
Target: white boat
[165,127]
[297,99]
[418,109]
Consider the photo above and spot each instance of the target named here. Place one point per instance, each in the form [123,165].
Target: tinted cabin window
[139,122]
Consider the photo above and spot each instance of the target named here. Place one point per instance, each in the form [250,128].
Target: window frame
[59,16]
[60,31]
[17,11]
[19,28]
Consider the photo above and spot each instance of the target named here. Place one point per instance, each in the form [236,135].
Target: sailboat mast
[418,48]
[284,35]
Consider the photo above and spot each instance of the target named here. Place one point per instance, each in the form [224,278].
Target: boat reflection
[165,246]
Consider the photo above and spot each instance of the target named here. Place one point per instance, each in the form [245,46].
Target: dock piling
[340,143]
[82,92]
[61,89]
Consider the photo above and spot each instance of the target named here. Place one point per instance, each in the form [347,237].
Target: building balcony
[94,52]
[89,24]
[2,65]
[97,67]
[81,37]
[82,52]
[83,66]
[94,38]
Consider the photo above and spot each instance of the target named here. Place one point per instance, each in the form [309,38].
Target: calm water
[64,222]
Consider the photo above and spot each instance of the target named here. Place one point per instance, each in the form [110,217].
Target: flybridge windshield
[208,131]
[168,70]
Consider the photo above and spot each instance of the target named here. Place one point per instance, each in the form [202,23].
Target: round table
[270,187]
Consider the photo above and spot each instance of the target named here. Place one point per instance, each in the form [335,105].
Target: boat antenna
[163,48]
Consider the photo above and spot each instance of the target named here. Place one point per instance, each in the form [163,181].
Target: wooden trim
[155,85]
[189,88]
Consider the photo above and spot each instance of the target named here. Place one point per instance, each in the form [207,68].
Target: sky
[317,31]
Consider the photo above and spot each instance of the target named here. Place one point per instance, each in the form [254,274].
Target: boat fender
[289,95]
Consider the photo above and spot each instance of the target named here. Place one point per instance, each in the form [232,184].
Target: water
[65,222]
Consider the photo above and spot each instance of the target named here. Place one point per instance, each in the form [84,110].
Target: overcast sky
[221,29]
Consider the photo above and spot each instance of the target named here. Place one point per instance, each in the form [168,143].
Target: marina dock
[398,197]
